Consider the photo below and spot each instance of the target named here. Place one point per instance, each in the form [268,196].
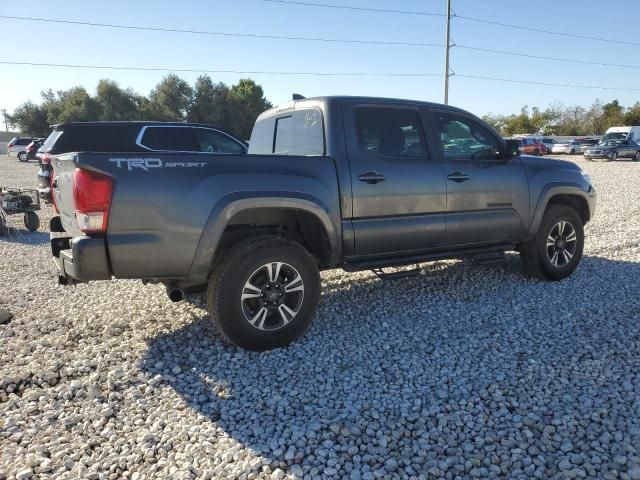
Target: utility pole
[447,46]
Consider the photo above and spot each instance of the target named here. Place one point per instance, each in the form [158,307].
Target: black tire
[22,156]
[246,263]
[3,226]
[573,151]
[536,152]
[636,157]
[536,255]
[31,221]
[614,156]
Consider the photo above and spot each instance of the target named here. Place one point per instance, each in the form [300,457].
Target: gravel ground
[465,371]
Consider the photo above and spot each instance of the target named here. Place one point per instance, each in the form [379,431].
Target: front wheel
[636,157]
[264,293]
[614,156]
[556,250]
[573,151]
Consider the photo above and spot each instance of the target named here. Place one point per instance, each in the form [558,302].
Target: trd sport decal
[148,163]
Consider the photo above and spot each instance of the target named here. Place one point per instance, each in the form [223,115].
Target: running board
[382,275]
[357,266]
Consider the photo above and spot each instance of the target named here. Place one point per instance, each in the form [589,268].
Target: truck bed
[162,202]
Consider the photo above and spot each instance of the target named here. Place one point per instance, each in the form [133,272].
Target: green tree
[214,104]
[612,114]
[73,105]
[519,124]
[169,101]
[116,103]
[632,115]
[30,118]
[250,102]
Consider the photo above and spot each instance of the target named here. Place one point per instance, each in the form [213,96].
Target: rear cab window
[297,132]
[390,131]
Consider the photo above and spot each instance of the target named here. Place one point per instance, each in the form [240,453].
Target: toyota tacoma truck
[356,183]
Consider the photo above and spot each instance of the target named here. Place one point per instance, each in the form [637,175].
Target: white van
[623,133]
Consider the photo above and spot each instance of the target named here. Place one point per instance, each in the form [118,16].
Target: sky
[39,42]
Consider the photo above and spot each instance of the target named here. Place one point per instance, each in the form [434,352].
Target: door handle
[371,177]
[458,177]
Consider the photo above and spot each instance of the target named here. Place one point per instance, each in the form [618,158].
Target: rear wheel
[264,293]
[573,151]
[614,156]
[22,156]
[556,250]
[636,157]
[3,224]
[31,221]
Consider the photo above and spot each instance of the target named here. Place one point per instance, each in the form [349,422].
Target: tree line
[233,108]
[558,119]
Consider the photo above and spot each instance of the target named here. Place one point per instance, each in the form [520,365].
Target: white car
[571,147]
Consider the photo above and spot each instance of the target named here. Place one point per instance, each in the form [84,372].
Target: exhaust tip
[175,294]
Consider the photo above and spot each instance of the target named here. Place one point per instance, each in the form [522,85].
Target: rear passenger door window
[211,141]
[171,139]
[390,132]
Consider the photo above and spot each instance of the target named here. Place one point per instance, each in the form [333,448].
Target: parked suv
[31,150]
[17,147]
[140,137]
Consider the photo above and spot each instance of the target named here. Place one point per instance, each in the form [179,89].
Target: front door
[399,198]
[487,196]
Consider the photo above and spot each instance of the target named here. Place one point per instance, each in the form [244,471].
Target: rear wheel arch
[299,225]
[230,221]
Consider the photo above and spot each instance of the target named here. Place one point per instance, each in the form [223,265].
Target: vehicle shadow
[25,237]
[379,355]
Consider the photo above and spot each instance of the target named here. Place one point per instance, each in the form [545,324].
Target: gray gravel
[466,371]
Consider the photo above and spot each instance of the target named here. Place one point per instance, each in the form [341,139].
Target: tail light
[92,198]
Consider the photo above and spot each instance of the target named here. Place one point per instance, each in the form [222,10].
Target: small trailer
[14,201]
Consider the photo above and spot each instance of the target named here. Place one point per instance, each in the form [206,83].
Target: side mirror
[512,149]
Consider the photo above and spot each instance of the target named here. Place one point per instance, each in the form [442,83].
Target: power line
[219,34]
[321,74]
[462,17]
[242,72]
[540,57]
[550,32]
[363,9]
[547,84]
[312,39]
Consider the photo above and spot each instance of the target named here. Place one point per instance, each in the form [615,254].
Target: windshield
[615,136]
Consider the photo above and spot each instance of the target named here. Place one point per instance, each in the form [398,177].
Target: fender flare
[550,191]
[234,203]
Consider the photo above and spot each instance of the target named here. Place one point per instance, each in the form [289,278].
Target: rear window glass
[177,139]
[23,141]
[95,138]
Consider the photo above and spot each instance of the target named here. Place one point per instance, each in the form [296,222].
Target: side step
[493,259]
[382,275]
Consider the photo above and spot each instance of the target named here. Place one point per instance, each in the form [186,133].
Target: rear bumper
[80,259]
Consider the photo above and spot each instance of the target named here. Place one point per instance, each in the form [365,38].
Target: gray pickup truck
[331,182]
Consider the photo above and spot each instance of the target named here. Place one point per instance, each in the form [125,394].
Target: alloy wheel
[561,244]
[272,296]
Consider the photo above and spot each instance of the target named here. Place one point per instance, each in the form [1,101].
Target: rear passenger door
[398,192]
